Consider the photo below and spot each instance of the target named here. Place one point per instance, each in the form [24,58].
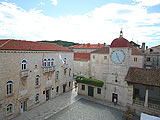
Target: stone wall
[81,68]
[24,88]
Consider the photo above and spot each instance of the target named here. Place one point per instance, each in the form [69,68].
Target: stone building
[110,65]
[32,73]
[86,48]
[82,64]
[122,68]
[152,57]
[144,85]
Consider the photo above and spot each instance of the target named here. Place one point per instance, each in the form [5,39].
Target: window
[9,87]
[48,64]
[69,84]
[105,57]
[65,60]
[65,71]
[83,87]
[37,98]
[148,59]
[45,62]
[57,89]
[69,72]
[135,59]
[37,80]
[57,75]
[98,90]
[52,60]
[9,109]
[93,56]
[24,65]
[104,75]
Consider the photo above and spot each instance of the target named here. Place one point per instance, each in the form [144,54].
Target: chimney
[143,47]
[104,44]
[146,47]
[98,44]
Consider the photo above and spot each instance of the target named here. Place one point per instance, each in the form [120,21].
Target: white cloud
[148,2]
[98,26]
[54,2]
[42,3]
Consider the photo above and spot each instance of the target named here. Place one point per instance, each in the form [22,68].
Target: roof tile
[30,46]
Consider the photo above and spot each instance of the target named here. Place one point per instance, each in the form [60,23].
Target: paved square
[87,110]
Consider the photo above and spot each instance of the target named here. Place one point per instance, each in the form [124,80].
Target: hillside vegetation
[60,42]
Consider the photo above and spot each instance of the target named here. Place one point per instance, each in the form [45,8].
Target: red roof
[10,44]
[120,42]
[136,51]
[82,56]
[87,46]
[104,50]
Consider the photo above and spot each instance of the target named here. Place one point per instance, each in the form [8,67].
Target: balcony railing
[150,105]
[24,73]
[48,69]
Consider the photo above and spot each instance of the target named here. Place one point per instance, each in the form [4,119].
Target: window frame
[99,91]
[24,64]
[83,87]
[9,109]
[9,88]
[45,62]
[37,80]
[49,62]
[52,62]
[135,59]
[37,98]
[105,57]
[57,89]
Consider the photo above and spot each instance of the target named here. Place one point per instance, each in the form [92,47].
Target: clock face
[118,56]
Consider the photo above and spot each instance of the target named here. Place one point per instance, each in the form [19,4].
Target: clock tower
[119,63]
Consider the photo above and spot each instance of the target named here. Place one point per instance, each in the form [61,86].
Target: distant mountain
[60,42]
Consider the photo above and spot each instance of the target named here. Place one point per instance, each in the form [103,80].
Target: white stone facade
[26,92]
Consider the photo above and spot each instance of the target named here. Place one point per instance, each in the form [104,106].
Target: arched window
[37,97]
[37,80]
[48,62]
[9,109]
[9,87]
[52,60]
[24,67]
[65,60]
[45,62]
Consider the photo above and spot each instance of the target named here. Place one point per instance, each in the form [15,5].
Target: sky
[81,21]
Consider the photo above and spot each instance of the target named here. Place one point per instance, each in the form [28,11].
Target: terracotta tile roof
[10,44]
[136,51]
[87,46]
[103,50]
[143,76]
[120,42]
[82,56]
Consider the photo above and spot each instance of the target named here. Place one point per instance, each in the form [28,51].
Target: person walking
[115,101]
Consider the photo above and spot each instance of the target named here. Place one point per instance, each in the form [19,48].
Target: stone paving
[88,110]
[70,106]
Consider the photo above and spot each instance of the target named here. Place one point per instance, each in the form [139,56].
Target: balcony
[48,69]
[24,73]
[152,104]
